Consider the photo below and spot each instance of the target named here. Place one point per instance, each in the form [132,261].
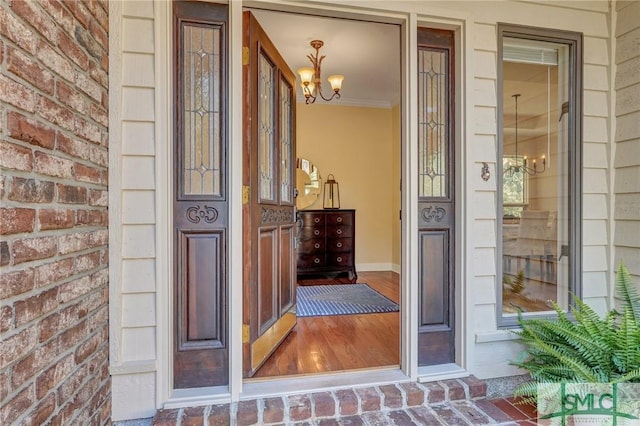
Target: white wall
[134,186]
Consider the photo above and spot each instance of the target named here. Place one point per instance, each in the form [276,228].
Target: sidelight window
[539,173]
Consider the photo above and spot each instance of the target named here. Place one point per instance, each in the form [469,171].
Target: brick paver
[450,402]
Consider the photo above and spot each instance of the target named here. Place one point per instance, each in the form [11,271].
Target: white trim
[496,336]
[613,143]
[235,149]
[181,398]
[433,373]
[163,127]
[464,220]
[134,367]
[323,382]
[115,183]
[409,204]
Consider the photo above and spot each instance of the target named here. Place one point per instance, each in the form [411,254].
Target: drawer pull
[339,232]
[316,260]
[339,245]
[339,259]
[339,219]
[316,232]
[316,245]
[316,220]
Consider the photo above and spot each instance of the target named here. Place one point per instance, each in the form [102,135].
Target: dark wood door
[201,195]
[436,208]
[269,214]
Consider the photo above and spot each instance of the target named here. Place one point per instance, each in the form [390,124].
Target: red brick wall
[53,212]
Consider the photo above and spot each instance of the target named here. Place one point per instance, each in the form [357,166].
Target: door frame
[461,23]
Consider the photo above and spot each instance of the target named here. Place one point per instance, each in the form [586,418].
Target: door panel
[268,274]
[287,269]
[200,206]
[436,207]
[268,216]
[201,325]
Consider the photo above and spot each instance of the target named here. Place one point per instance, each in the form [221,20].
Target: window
[514,187]
[539,187]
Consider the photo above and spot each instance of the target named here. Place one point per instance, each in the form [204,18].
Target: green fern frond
[627,353]
[589,349]
[632,376]
[627,292]
[582,370]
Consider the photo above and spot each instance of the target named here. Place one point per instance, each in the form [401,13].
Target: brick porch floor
[447,402]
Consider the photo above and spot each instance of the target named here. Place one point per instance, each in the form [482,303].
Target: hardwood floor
[341,342]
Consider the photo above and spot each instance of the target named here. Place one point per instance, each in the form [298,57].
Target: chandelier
[311,81]
[524,166]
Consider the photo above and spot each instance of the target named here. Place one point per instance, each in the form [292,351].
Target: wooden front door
[201,355]
[436,208]
[269,212]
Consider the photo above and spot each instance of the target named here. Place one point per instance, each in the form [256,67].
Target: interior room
[349,145]
[535,177]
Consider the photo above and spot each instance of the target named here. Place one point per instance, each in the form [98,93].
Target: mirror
[308,183]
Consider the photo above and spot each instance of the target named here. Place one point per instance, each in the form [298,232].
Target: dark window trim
[575,72]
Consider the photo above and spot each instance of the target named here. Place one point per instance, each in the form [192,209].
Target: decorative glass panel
[285,141]
[432,123]
[202,115]
[266,98]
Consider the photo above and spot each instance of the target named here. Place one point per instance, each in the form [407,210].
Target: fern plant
[590,349]
[516,285]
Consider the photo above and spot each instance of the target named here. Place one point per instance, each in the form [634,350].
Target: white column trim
[409,227]
[163,126]
[235,292]
[115,183]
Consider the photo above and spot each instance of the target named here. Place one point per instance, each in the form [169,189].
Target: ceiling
[366,53]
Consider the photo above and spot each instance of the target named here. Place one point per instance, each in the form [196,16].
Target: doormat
[318,300]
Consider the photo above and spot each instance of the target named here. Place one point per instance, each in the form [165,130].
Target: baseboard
[372,267]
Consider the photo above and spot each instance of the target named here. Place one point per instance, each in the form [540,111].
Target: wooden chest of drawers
[327,243]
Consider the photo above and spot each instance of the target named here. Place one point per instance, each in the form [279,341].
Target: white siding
[133,357]
[491,357]
[627,137]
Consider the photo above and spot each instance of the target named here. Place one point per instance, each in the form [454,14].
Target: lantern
[331,193]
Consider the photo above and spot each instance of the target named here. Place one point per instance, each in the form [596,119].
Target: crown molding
[354,102]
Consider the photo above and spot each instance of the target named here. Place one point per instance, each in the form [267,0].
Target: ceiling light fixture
[311,81]
[516,166]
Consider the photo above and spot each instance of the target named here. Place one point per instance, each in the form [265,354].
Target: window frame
[574,41]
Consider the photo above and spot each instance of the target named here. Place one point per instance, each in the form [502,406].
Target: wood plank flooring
[341,342]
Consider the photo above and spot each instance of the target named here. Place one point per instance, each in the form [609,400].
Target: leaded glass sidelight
[202,121]
[286,127]
[266,133]
[432,123]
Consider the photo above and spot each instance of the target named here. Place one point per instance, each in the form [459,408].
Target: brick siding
[53,213]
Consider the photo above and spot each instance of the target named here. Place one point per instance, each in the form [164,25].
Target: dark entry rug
[317,300]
